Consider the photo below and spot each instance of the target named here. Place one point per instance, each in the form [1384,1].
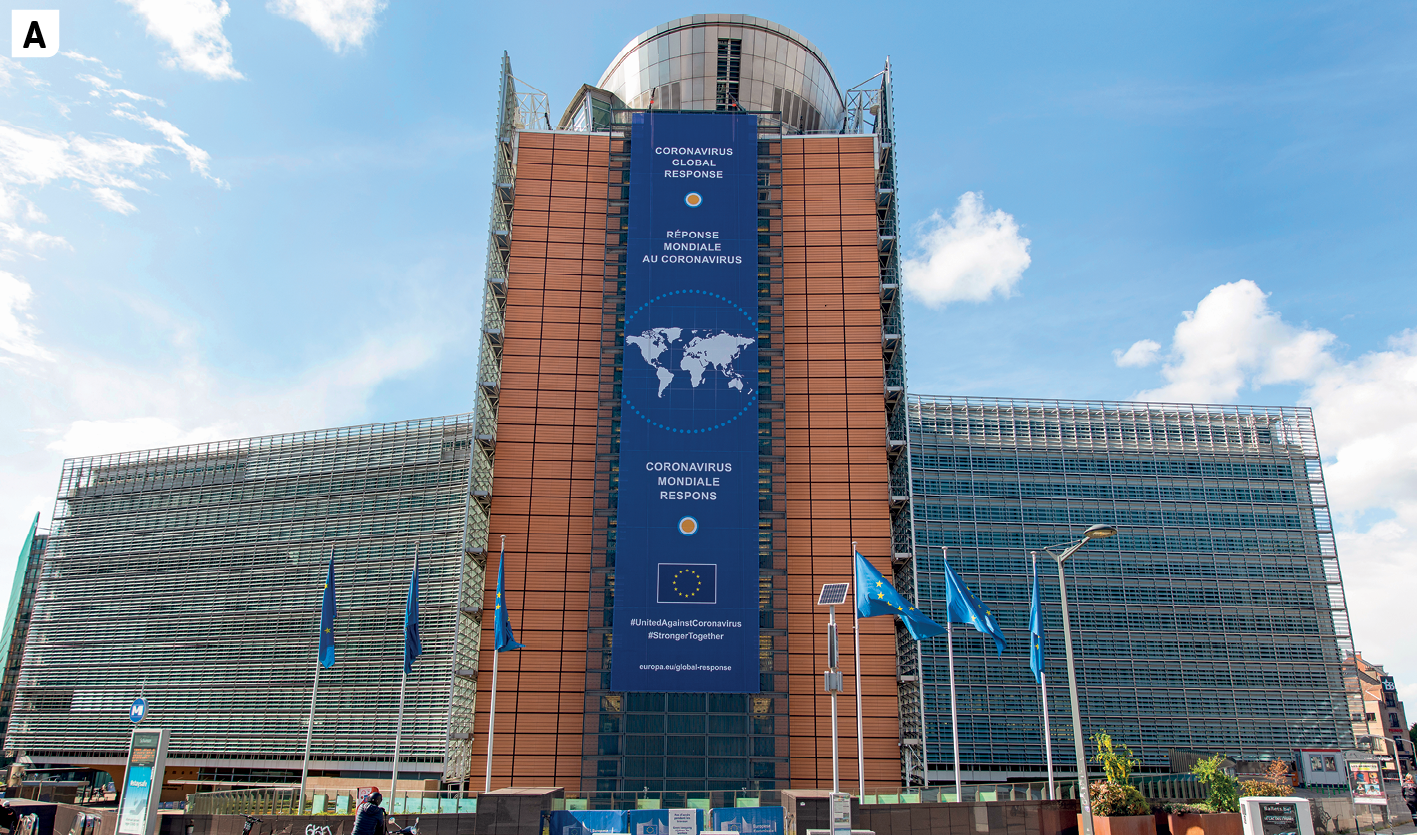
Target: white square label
[34,33]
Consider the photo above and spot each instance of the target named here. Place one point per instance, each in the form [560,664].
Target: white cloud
[32,240]
[193,29]
[974,255]
[103,87]
[1143,352]
[88,59]
[1233,340]
[197,159]
[91,437]
[112,200]
[339,23]
[1365,411]
[17,335]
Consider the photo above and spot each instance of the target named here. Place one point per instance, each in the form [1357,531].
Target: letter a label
[34,33]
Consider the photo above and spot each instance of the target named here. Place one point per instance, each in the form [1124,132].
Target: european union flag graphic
[876,596]
[688,583]
[502,636]
[1035,629]
[327,618]
[964,607]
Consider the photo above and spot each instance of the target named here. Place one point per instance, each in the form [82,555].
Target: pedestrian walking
[1409,796]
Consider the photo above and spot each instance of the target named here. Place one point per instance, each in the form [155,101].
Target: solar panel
[833,594]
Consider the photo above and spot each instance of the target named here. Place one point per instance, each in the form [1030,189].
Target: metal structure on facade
[1215,620]
[192,575]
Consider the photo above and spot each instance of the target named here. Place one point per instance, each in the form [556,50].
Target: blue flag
[876,596]
[327,618]
[1035,629]
[502,638]
[964,607]
[412,647]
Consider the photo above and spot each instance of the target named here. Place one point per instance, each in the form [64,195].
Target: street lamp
[1094,532]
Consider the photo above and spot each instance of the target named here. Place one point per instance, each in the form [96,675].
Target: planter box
[1125,825]
[1218,823]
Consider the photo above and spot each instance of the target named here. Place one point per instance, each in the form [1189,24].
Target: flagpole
[860,729]
[1043,683]
[310,731]
[920,682]
[492,709]
[398,738]
[403,687]
[1047,735]
[954,711]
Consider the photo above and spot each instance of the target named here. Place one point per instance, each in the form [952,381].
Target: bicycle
[407,830]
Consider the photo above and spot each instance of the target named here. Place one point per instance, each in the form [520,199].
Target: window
[730,60]
[1330,764]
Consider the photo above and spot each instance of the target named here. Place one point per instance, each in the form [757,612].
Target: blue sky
[221,221]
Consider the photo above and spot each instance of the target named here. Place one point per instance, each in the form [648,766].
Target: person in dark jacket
[369,817]
[1409,796]
[9,818]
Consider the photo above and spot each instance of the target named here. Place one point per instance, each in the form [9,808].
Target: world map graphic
[698,351]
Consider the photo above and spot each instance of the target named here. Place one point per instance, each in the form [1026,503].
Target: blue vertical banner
[686,564]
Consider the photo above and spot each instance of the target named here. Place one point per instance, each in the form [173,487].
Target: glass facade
[727,62]
[1214,621]
[17,616]
[193,575]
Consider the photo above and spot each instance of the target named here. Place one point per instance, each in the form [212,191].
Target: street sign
[840,814]
[142,782]
[138,710]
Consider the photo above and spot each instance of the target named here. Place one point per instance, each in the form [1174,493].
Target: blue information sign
[686,553]
[138,710]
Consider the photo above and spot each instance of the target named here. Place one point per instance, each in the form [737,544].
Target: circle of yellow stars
[698,582]
[881,596]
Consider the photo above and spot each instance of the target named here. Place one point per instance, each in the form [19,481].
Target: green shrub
[1222,790]
[1113,800]
[1118,765]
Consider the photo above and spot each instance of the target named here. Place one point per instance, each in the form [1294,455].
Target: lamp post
[1094,532]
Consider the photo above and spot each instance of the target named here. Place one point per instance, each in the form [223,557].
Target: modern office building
[811,242]
[17,616]
[689,405]
[1383,717]
[1215,622]
[193,576]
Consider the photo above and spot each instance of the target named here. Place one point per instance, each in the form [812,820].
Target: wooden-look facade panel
[543,474]
[837,473]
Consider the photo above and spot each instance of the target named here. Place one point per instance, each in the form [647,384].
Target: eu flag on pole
[876,596]
[1035,629]
[412,647]
[503,639]
[327,618]
[964,607]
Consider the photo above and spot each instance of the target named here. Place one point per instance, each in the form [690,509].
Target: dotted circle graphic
[752,398]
